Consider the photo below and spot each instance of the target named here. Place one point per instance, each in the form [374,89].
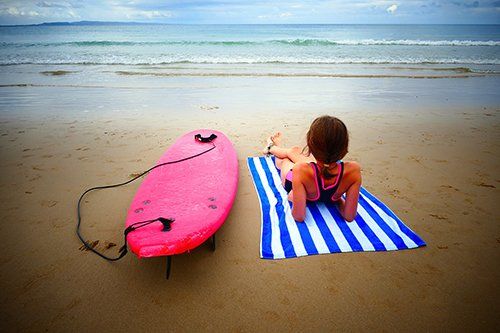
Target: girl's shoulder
[352,169]
[352,165]
[302,168]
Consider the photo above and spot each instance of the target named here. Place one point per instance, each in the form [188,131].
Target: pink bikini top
[326,194]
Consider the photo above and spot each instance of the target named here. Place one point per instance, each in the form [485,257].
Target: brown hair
[328,141]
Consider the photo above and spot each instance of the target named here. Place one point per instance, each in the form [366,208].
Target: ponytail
[325,172]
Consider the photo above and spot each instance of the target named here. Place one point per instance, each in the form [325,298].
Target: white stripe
[360,236]
[334,228]
[316,235]
[391,223]
[293,230]
[379,232]
[276,246]
[260,204]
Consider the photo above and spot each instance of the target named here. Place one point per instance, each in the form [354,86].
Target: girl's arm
[299,194]
[348,208]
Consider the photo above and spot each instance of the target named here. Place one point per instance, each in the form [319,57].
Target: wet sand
[437,168]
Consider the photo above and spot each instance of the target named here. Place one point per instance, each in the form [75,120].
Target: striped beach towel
[376,227]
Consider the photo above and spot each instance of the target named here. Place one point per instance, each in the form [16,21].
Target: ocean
[91,68]
[250,44]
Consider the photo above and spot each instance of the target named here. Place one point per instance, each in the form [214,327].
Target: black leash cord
[123,250]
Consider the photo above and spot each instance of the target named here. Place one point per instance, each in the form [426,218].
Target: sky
[253,11]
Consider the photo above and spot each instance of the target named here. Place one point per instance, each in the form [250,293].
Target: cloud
[153,14]
[60,4]
[392,9]
[252,11]
[474,4]
[14,11]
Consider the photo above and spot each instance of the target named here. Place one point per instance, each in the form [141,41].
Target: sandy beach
[430,152]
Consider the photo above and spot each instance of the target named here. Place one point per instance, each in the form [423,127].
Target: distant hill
[78,23]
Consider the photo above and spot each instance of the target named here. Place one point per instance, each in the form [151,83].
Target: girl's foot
[276,139]
[273,140]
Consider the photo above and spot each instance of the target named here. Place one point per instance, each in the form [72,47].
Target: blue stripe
[349,236]
[323,228]
[413,236]
[266,249]
[377,244]
[398,241]
[286,241]
[306,238]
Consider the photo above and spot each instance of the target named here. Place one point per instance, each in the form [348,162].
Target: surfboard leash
[165,221]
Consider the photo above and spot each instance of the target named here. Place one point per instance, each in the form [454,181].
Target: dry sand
[437,169]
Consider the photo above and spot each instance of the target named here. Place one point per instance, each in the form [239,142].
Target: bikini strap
[318,174]
[339,179]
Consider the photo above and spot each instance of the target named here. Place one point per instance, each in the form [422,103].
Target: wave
[289,42]
[319,75]
[409,42]
[238,61]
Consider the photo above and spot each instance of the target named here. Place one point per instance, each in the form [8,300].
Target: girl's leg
[286,166]
[278,162]
[294,154]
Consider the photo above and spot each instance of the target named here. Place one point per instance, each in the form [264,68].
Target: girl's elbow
[350,217]
[298,217]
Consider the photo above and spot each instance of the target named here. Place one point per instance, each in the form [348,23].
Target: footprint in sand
[485,185]
[415,158]
[91,244]
[109,245]
[395,193]
[449,187]
[135,174]
[48,203]
[439,217]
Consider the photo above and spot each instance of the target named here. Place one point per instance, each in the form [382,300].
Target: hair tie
[326,165]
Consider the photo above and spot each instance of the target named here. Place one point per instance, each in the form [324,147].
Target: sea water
[122,67]
[251,44]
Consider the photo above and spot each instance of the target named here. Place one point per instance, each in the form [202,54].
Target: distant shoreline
[119,23]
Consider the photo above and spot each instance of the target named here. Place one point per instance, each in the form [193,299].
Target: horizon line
[91,22]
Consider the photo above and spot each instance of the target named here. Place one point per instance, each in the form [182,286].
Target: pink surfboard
[197,194]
